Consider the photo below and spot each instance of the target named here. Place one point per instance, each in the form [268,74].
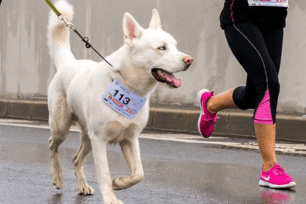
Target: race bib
[123,100]
[276,3]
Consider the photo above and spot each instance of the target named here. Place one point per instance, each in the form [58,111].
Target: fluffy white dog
[110,104]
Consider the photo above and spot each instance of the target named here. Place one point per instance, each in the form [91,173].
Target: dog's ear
[131,28]
[155,20]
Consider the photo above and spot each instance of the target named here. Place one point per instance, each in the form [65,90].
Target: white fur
[75,95]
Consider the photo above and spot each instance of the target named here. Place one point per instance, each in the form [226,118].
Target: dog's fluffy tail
[58,34]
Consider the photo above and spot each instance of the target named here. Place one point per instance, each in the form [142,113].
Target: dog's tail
[58,34]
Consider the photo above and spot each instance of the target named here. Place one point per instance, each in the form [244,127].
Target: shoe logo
[266,178]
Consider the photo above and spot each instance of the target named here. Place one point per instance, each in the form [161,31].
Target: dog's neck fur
[130,75]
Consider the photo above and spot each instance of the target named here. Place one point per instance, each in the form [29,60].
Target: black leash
[70,25]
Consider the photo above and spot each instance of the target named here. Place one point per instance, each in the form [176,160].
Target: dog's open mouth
[166,77]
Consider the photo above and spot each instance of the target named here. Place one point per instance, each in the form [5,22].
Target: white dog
[110,104]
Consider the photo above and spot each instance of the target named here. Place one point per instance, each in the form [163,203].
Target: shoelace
[214,119]
[279,170]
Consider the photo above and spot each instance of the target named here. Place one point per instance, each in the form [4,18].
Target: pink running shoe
[206,121]
[276,177]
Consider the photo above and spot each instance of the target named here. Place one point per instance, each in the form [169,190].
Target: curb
[24,109]
[175,118]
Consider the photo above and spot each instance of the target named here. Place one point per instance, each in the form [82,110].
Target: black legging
[259,52]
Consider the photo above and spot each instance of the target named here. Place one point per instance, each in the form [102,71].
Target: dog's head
[155,50]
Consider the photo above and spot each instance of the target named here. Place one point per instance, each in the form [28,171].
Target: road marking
[180,138]
[165,137]
[185,138]
[30,124]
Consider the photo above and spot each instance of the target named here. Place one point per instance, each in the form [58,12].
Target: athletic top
[239,11]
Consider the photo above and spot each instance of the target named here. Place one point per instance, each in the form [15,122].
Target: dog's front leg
[131,152]
[102,170]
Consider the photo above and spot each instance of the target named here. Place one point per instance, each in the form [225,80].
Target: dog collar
[122,100]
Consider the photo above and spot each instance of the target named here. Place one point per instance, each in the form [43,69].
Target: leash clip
[68,24]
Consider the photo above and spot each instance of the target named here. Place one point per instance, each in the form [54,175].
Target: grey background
[26,69]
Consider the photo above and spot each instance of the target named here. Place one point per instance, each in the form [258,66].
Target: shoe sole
[267,184]
[199,103]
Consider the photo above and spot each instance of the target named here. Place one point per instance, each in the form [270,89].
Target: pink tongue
[170,78]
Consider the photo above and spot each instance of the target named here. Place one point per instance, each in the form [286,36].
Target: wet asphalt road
[175,172]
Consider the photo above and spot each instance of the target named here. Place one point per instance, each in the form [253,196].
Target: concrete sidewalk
[175,118]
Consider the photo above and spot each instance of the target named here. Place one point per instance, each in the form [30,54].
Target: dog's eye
[162,47]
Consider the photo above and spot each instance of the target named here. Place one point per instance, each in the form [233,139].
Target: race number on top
[122,100]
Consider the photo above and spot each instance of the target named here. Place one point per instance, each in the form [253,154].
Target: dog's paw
[118,183]
[86,190]
[57,180]
[114,202]
[58,184]
[126,182]
[110,198]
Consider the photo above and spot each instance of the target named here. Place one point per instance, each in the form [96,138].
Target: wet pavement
[177,170]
